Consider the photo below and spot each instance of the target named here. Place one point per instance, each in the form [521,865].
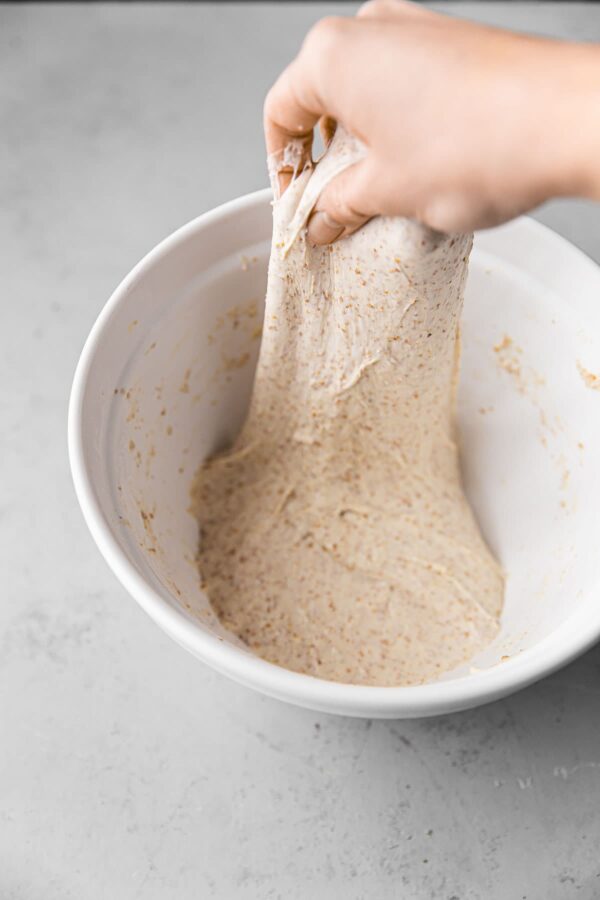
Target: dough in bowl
[336,539]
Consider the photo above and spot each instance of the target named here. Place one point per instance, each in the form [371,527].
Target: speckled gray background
[128,769]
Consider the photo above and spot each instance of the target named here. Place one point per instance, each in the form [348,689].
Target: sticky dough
[336,539]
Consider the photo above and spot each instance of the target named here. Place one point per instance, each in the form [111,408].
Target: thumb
[348,201]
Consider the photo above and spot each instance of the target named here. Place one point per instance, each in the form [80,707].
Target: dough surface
[336,539]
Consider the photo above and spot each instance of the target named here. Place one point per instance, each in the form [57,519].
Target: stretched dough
[336,539]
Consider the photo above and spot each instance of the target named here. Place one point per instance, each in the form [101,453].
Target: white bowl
[162,382]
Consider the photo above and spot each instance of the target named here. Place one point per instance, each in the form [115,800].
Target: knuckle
[277,100]
[440,213]
[270,104]
[384,9]
[351,213]
[372,8]
[347,211]
[326,34]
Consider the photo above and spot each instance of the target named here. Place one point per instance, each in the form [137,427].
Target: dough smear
[336,539]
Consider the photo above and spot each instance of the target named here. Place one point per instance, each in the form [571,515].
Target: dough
[336,539]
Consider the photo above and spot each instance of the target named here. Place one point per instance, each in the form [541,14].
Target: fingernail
[322,229]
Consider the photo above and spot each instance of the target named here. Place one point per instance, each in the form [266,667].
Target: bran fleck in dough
[336,539]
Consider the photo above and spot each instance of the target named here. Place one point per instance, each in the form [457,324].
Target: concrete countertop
[127,768]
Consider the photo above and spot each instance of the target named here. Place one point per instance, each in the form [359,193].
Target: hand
[466,126]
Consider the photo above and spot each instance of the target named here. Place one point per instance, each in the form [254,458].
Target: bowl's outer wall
[165,379]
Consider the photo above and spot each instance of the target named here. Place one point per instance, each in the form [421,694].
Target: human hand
[466,126]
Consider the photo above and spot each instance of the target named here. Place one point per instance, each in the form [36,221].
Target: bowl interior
[171,376]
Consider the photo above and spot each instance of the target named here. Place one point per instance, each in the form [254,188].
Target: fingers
[350,200]
[297,100]
[287,122]
[462,211]
[323,229]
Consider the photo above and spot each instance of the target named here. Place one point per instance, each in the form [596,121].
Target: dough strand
[336,539]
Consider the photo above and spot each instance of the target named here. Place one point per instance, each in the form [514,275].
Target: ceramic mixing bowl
[165,378]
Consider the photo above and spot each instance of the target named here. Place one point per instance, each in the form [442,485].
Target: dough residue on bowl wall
[590,379]
[335,537]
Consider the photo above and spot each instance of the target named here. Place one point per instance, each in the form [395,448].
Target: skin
[466,126]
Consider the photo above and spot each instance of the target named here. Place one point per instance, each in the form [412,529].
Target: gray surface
[127,769]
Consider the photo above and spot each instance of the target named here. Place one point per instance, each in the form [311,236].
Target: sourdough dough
[335,536]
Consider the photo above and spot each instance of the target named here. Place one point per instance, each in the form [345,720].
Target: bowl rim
[552,652]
